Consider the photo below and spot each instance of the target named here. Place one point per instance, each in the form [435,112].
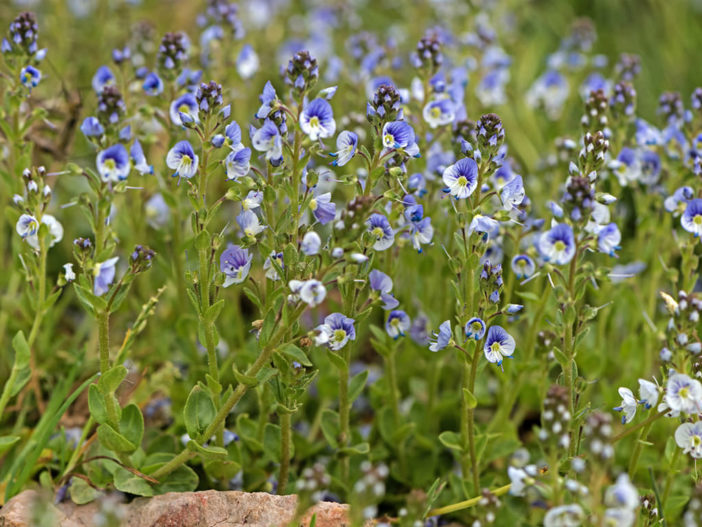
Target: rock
[209,508]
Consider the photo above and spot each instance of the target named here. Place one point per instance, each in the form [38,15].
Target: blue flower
[153,85]
[608,239]
[249,224]
[27,225]
[382,283]
[233,135]
[323,208]
[91,127]
[317,119]
[247,62]
[498,344]
[336,331]
[104,274]
[103,77]
[513,193]
[558,244]
[238,164]
[439,112]
[678,201]
[113,163]
[523,266]
[475,328]
[184,110]
[311,243]
[443,337]
[421,233]
[461,178]
[346,144]
[691,219]
[235,263]
[157,212]
[398,135]
[30,77]
[379,228]
[397,324]
[139,160]
[267,139]
[183,160]
[268,99]
[488,227]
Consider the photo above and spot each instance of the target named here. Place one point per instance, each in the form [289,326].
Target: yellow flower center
[110,164]
[495,347]
[697,220]
[339,335]
[183,108]
[377,232]
[313,204]
[475,326]
[462,181]
[388,140]
[559,246]
[314,122]
[684,393]
[435,112]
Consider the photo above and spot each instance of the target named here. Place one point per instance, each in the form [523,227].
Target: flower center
[436,112]
[476,327]
[339,335]
[495,347]
[110,164]
[183,108]
[559,246]
[696,441]
[684,392]
[697,220]
[462,181]
[378,232]
[185,160]
[313,204]
[314,122]
[388,140]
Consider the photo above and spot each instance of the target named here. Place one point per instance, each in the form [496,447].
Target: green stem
[231,401]
[471,420]
[344,410]
[103,318]
[467,503]
[285,429]
[391,368]
[638,447]
[671,475]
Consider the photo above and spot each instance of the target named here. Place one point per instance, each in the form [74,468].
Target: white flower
[622,494]
[521,478]
[55,233]
[683,394]
[648,393]
[688,436]
[628,406]
[68,272]
[564,516]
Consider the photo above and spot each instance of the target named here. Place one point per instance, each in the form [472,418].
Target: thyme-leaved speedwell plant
[279,250]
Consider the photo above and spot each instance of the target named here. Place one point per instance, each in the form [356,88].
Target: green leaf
[214,311]
[182,479]
[199,412]
[296,354]
[81,492]
[360,448]
[337,360]
[131,425]
[110,381]
[267,328]
[244,379]
[271,441]
[331,427]
[22,353]
[358,382]
[208,452]
[223,469]
[471,401]
[451,440]
[131,483]
[113,440]
[96,404]
[7,442]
